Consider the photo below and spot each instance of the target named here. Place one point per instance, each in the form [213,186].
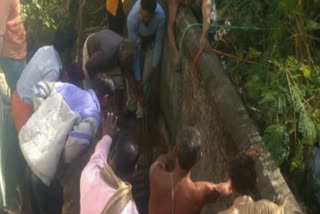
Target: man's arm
[133,30]
[173,8]
[135,85]
[4,13]
[109,128]
[206,14]
[214,192]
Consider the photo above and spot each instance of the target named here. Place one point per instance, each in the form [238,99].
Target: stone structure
[218,113]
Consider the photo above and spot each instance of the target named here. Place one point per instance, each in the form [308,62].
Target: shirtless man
[173,191]
[243,176]
[207,7]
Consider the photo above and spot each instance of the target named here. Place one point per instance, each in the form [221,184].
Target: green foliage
[277,141]
[41,18]
[282,90]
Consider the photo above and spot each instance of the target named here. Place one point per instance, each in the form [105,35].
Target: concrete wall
[217,112]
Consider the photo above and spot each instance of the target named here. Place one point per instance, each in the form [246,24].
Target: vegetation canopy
[281,92]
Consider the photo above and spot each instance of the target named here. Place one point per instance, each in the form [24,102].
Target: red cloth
[21,111]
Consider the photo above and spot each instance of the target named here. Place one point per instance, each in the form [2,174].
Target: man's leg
[46,199]
[12,70]
[147,70]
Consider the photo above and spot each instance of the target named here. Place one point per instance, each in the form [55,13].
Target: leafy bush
[282,91]
[41,18]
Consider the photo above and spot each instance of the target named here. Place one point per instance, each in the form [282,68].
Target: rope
[194,66]
[217,27]
[188,28]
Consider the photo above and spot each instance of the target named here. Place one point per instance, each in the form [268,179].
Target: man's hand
[109,124]
[218,191]
[280,200]
[254,151]
[225,189]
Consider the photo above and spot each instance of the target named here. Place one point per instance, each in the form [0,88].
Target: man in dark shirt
[108,52]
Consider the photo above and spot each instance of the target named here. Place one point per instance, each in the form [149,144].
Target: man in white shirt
[46,64]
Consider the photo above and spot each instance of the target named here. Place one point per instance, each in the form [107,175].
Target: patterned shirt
[245,205]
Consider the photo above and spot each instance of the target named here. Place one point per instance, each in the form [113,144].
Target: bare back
[189,197]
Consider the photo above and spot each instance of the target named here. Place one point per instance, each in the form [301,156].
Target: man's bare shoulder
[157,171]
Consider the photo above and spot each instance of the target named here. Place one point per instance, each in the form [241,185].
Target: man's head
[188,144]
[123,155]
[127,52]
[243,174]
[102,86]
[65,38]
[147,8]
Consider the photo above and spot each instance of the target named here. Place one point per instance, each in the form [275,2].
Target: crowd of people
[58,120]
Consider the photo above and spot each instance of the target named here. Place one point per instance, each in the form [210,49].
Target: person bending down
[208,8]
[103,186]
[64,123]
[146,26]
[108,52]
[174,191]
[46,64]
[243,177]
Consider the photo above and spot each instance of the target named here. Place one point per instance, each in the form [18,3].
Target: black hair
[103,84]
[243,174]
[149,5]
[65,37]
[128,47]
[188,144]
[125,152]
